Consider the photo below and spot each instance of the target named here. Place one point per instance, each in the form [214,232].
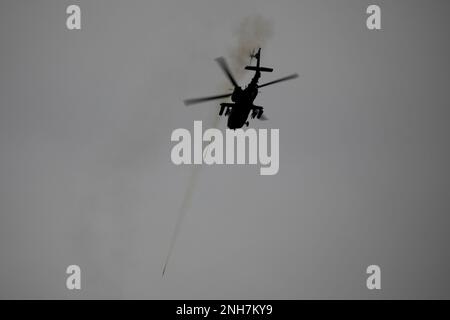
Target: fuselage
[238,116]
[243,103]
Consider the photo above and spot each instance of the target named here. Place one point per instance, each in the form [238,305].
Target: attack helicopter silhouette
[242,106]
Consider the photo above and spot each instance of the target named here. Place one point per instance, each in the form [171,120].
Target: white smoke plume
[252,33]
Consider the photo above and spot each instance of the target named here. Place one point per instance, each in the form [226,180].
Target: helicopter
[242,106]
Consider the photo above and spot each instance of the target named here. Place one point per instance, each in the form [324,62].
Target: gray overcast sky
[86,177]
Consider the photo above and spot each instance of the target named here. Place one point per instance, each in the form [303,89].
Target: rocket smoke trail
[185,204]
[182,213]
[251,33]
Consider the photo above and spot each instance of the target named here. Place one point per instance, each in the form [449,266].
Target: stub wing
[226,106]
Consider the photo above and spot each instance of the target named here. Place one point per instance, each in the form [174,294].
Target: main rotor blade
[188,102]
[292,76]
[223,64]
